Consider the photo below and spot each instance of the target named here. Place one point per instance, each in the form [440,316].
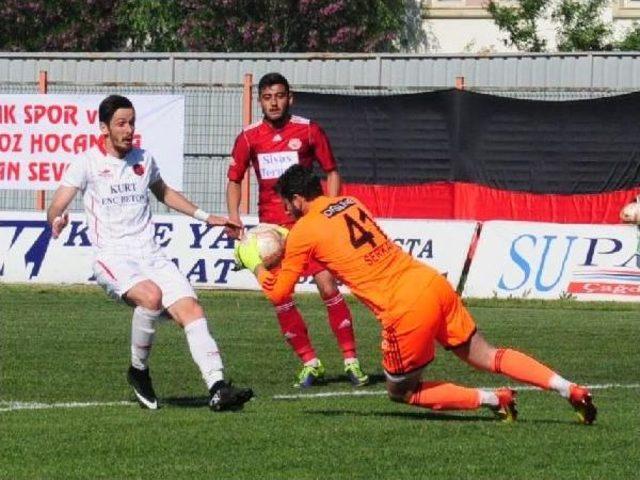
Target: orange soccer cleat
[581,401]
[506,409]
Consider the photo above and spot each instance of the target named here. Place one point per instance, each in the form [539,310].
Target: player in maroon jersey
[271,145]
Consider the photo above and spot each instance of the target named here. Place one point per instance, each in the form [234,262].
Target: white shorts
[118,274]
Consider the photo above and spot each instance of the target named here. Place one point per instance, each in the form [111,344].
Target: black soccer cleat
[224,396]
[140,381]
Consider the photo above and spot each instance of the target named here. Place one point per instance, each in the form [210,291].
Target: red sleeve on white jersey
[240,158]
[322,148]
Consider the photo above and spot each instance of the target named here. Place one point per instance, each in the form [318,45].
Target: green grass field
[63,345]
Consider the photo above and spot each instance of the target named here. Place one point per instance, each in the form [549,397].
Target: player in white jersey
[115,180]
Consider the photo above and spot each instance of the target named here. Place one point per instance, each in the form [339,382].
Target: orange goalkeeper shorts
[408,344]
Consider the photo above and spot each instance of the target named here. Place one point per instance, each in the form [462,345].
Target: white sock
[143,332]
[204,351]
[560,385]
[349,361]
[488,398]
[314,362]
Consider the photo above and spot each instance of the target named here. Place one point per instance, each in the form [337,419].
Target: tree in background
[58,25]
[215,26]
[150,25]
[293,26]
[631,39]
[208,25]
[413,36]
[520,22]
[579,24]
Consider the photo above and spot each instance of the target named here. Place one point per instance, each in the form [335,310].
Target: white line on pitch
[11,406]
[362,393]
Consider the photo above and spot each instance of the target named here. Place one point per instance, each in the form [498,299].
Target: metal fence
[213,117]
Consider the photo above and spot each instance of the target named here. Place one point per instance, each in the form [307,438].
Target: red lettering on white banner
[54,130]
[10,142]
[53,142]
[9,170]
[53,114]
[92,115]
[46,171]
[8,114]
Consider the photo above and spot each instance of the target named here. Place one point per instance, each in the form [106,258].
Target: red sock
[522,367]
[445,396]
[294,330]
[342,324]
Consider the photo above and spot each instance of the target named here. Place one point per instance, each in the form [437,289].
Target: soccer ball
[630,213]
[270,243]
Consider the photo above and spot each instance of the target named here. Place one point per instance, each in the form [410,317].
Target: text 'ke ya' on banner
[40,135]
[204,254]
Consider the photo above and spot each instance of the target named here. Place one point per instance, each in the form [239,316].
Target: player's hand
[237,231]
[246,254]
[216,221]
[58,224]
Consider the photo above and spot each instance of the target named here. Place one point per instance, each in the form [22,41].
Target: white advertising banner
[547,260]
[40,135]
[203,254]
[443,244]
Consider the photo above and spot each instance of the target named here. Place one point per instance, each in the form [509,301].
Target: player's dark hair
[109,105]
[298,180]
[271,79]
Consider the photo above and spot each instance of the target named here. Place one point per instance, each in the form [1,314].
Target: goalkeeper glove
[246,253]
[282,231]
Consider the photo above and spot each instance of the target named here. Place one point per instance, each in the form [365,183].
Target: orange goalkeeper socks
[522,367]
[445,396]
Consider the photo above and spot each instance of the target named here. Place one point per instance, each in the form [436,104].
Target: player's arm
[280,285]
[177,201]
[234,194]
[75,178]
[334,183]
[324,156]
[56,213]
[241,155]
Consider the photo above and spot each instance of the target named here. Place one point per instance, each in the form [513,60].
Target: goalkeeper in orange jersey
[415,305]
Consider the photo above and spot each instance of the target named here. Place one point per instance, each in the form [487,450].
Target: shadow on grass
[186,402]
[438,417]
[374,379]
[424,415]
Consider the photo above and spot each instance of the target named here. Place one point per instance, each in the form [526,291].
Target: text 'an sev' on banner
[40,135]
